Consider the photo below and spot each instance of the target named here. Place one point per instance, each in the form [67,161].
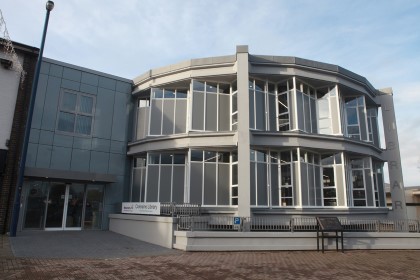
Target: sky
[378,39]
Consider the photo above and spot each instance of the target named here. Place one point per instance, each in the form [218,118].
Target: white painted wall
[9,85]
[277,241]
[152,229]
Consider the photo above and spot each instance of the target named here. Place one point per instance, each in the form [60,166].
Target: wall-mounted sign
[145,208]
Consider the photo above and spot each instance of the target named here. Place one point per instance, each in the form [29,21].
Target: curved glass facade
[314,142]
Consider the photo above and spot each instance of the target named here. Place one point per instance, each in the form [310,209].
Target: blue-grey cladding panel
[117,164]
[72,74]
[43,156]
[39,101]
[99,162]
[118,147]
[51,103]
[120,120]
[60,158]
[80,160]
[90,79]
[103,114]
[70,84]
[62,140]
[34,136]
[107,83]
[101,145]
[45,68]
[82,143]
[56,70]
[31,156]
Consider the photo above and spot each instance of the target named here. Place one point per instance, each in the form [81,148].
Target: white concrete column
[244,164]
[392,154]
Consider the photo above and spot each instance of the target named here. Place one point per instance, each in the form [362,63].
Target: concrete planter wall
[153,229]
[247,241]
[162,231]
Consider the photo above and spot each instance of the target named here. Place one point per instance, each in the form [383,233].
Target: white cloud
[378,40]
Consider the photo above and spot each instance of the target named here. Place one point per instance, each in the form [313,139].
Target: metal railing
[206,223]
[268,224]
[174,209]
[298,224]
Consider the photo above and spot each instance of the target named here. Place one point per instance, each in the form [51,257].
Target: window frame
[77,112]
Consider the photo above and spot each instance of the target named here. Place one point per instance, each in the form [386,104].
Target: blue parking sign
[236,220]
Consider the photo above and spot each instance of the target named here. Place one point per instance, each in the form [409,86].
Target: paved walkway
[81,244]
[146,261]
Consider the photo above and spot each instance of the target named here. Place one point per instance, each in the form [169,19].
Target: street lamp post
[16,205]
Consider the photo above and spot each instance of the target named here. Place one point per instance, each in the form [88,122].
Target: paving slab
[133,259]
[81,244]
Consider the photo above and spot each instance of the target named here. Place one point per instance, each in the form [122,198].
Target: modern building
[241,135]
[252,135]
[76,170]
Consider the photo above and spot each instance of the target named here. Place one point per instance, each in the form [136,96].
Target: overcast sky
[376,39]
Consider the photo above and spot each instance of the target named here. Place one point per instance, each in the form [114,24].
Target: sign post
[237,223]
[329,224]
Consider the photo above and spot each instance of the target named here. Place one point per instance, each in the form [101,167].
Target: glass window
[352,116]
[211,87]
[83,125]
[157,93]
[69,101]
[66,122]
[166,158]
[179,159]
[154,159]
[209,156]
[76,113]
[169,93]
[86,104]
[181,94]
[198,86]
[196,155]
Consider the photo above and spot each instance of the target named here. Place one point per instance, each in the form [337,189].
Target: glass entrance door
[75,195]
[65,206]
[55,205]
[60,206]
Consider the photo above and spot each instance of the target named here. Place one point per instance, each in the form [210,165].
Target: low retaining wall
[255,241]
[161,231]
[152,229]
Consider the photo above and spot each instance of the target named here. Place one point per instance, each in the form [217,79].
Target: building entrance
[61,206]
[65,207]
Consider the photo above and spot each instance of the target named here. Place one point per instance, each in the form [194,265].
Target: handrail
[303,224]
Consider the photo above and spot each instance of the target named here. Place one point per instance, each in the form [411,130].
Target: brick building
[14,95]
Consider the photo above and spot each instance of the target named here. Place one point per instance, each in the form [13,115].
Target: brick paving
[219,265]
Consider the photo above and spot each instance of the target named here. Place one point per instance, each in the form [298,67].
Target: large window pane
[223,184]
[197,111]
[260,110]
[35,204]
[69,101]
[262,184]
[152,183]
[94,209]
[168,117]
[196,183]
[210,184]
[165,183]
[156,117]
[178,184]
[211,112]
[352,116]
[86,104]
[83,125]
[66,122]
